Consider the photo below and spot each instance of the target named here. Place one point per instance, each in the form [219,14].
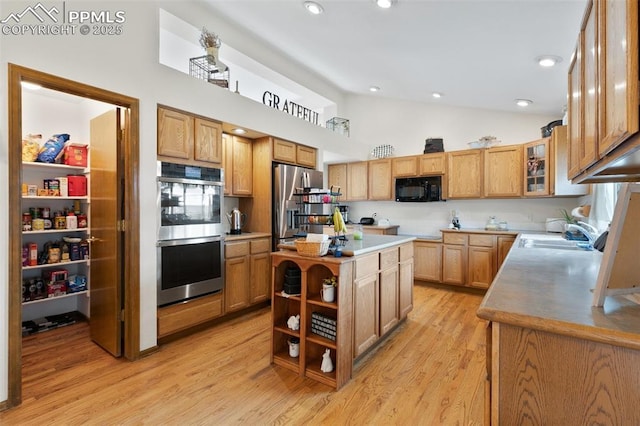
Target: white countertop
[370,243]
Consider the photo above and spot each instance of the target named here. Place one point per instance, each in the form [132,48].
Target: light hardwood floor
[430,371]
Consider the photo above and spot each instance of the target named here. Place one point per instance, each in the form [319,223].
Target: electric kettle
[237,220]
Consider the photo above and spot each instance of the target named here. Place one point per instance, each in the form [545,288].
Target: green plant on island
[330,281]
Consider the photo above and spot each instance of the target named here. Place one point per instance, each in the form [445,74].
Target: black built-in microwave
[419,189]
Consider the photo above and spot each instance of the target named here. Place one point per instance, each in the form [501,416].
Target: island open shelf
[334,325]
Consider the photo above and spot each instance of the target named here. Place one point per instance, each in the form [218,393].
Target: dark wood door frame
[130,158]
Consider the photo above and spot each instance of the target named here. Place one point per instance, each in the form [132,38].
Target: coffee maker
[344,210]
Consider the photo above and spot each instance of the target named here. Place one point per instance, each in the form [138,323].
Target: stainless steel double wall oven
[191,235]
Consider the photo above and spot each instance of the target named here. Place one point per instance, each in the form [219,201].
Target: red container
[77,185]
[75,155]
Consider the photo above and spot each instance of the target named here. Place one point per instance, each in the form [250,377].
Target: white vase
[328,293]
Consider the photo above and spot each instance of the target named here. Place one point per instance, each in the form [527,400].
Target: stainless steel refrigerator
[291,203]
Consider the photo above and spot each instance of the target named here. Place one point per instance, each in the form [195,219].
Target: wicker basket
[312,249]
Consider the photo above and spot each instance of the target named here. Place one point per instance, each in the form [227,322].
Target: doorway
[124,312]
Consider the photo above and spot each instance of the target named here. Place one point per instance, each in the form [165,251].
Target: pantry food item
[31,147]
[51,148]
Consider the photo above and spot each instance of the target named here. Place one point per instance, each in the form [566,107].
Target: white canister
[328,293]
[294,347]
[72,221]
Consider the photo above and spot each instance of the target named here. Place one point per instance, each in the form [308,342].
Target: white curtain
[603,202]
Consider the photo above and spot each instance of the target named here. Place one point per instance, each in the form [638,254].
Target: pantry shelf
[47,299]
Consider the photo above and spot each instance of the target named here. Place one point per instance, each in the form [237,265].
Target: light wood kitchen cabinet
[618,73]
[208,141]
[428,261]
[472,259]
[389,289]
[337,177]
[380,180]
[574,111]
[293,153]
[405,166]
[306,156]
[454,259]
[357,181]
[237,275]
[432,164]
[504,244]
[247,273]
[227,162]
[187,139]
[603,95]
[503,171]
[260,282]
[588,152]
[284,151]
[182,316]
[175,134]
[366,303]
[405,280]
[482,260]
[465,170]
[537,168]
[238,166]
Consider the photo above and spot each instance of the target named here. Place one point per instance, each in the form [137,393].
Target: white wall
[128,64]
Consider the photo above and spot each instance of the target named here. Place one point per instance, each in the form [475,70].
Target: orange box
[75,155]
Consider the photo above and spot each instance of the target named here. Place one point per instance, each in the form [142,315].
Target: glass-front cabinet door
[536,168]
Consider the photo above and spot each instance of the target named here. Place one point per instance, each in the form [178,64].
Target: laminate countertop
[552,290]
[369,243]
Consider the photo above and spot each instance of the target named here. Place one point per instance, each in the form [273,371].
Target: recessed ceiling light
[374,89]
[30,86]
[384,4]
[313,7]
[436,95]
[523,102]
[547,61]
[239,131]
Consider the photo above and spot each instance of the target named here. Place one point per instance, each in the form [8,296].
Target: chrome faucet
[585,229]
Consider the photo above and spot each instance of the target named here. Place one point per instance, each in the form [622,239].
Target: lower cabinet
[471,259]
[405,285]
[366,300]
[428,261]
[246,271]
[389,290]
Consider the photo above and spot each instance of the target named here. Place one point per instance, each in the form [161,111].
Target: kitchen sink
[552,242]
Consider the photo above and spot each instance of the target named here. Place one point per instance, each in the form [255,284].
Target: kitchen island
[373,294]
[552,358]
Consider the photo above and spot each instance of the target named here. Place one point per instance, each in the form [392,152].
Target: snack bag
[51,148]
[30,147]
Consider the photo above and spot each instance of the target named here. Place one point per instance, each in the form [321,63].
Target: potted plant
[210,42]
[328,291]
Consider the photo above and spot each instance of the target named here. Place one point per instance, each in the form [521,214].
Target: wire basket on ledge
[312,248]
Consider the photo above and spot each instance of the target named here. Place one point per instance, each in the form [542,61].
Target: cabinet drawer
[389,258]
[481,240]
[366,265]
[451,238]
[236,249]
[184,315]
[406,252]
[260,246]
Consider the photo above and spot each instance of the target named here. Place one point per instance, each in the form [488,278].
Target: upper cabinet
[337,177]
[618,73]
[432,164]
[603,95]
[465,173]
[503,171]
[537,168]
[293,153]
[238,166]
[405,166]
[357,181]
[187,139]
[380,179]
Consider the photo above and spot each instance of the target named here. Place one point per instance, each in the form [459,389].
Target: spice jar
[26,221]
